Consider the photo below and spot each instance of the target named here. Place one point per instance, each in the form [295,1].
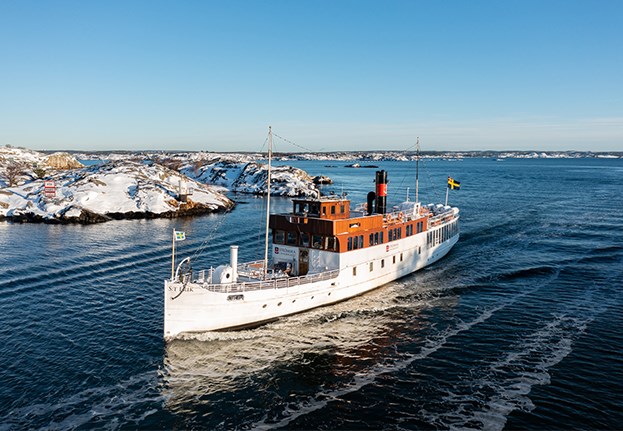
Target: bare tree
[14,171]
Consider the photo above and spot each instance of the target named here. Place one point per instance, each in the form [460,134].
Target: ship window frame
[371,266]
[316,241]
[304,237]
[382,263]
[350,243]
[332,209]
[371,239]
[291,238]
[354,271]
[280,237]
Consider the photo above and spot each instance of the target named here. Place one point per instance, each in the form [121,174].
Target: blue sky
[328,75]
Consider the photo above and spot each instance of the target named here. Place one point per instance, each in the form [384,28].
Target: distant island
[353,156]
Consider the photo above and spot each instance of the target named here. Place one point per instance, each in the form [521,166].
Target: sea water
[519,327]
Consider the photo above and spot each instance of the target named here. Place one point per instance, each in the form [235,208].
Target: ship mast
[270,155]
[417,168]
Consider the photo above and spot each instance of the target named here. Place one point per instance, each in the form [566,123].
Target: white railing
[274,283]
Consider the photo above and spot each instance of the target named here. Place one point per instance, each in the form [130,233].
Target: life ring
[400,216]
[388,218]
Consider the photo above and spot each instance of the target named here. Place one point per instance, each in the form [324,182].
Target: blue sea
[519,327]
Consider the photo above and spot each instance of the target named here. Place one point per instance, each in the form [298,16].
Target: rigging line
[211,235]
[293,143]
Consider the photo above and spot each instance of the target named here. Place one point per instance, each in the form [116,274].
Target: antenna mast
[270,155]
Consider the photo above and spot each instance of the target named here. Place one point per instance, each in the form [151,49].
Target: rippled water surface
[519,327]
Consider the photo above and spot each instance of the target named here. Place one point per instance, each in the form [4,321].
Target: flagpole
[268,180]
[173,256]
[447,190]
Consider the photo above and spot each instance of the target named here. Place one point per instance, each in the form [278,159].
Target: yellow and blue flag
[180,235]
[453,184]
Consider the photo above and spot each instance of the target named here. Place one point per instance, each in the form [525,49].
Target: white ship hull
[193,308]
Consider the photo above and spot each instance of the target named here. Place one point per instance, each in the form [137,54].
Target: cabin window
[355,242]
[331,243]
[382,263]
[291,238]
[350,243]
[399,232]
[354,271]
[371,266]
[390,235]
[361,241]
[401,257]
[332,209]
[304,239]
[280,237]
[381,238]
[371,239]
[394,260]
[316,241]
[376,238]
[342,209]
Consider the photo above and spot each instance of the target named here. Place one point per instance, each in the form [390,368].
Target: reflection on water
[300,362]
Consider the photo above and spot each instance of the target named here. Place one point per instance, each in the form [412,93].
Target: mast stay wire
[204,244]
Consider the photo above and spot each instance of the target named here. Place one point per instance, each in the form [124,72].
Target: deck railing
[273,283]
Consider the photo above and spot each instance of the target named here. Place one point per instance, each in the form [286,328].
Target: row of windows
[371,264]
[304,239]
[419,227]
[313,208]
[443,234]
[376,238]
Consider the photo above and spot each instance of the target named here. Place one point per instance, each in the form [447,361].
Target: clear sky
[328,75]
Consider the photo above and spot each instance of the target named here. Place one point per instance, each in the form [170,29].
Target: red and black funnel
[381,192]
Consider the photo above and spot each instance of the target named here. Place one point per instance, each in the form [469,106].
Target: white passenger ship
[323,252]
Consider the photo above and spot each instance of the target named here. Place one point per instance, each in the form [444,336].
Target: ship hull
[191,308]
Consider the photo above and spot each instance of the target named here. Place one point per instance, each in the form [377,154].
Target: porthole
[312,297]
[279,305]
[264,306]
[329,294]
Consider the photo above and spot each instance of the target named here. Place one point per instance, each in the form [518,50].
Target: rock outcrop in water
[251,177]
[116,190]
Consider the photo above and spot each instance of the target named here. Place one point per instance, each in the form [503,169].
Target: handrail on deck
[274,283]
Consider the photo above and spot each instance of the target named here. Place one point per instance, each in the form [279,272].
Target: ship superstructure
[323,252]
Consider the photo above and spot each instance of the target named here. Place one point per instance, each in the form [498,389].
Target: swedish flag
[452,184]
[180,235]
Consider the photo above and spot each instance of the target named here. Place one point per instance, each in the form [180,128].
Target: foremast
[268,181]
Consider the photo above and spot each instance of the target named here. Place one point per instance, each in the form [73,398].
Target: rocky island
[57,188]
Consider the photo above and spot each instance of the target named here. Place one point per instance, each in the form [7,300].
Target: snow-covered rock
[62,161]
[251,177]
[115,190]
